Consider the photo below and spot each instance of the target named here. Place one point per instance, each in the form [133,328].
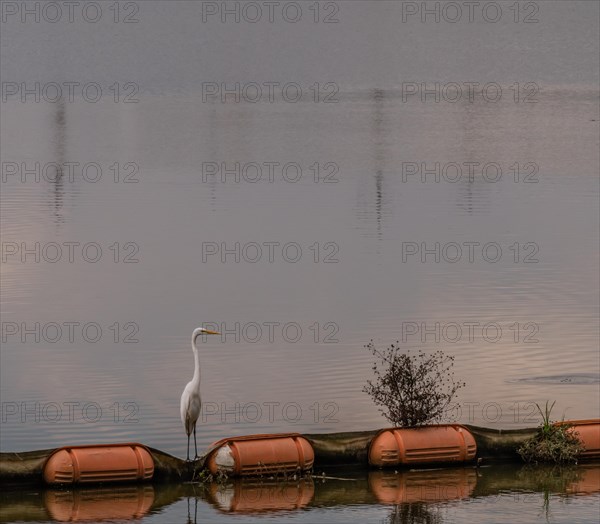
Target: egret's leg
[195,446]
[188,449]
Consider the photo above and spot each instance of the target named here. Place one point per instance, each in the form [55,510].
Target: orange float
[588,432]
[442,444]
[261,455]
[99,463]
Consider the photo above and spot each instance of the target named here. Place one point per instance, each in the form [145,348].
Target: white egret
[190,399]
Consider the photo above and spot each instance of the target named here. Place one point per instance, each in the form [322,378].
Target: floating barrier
[286,454]
[255,455]
[101,463]
[443,444]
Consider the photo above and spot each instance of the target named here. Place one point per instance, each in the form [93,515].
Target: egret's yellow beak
[209,332]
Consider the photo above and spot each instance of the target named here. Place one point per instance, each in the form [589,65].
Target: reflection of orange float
[589,433]
[100,463]
[261,455]
[129,502]
[422,486]
[446,443]
[588,481]
[254,497]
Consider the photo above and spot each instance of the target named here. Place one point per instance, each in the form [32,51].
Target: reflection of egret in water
[379,132]
[189,515]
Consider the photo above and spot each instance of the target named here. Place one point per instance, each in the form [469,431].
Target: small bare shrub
[412,390]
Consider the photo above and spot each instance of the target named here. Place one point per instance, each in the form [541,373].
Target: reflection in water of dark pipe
[378,136]
[378,97]
[60,124]
[471,196]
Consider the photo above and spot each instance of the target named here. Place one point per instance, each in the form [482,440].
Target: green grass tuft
[554,443]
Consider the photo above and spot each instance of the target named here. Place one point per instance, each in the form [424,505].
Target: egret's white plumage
[191,402]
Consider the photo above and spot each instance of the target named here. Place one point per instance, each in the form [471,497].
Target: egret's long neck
[196,378]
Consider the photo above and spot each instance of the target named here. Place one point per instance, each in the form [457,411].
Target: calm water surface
[522,322]
[489,494]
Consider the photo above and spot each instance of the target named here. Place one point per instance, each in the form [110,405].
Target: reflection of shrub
[551,478]
[417,513]
[412,389]
[554,443]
